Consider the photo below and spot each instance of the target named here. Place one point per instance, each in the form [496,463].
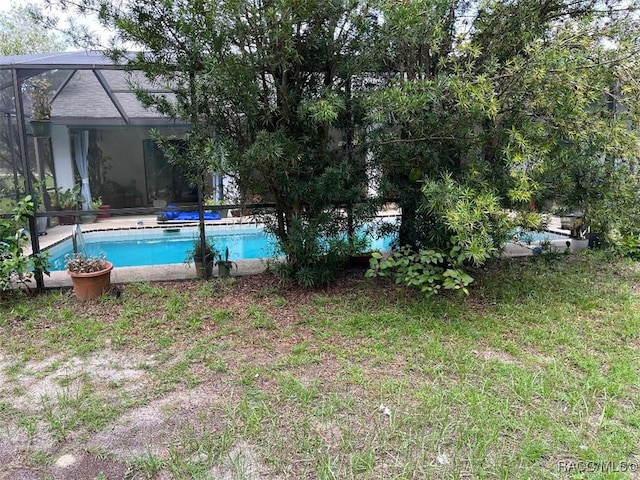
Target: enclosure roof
[94,90]
[89,59]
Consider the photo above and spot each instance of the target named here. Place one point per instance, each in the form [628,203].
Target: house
[95,111]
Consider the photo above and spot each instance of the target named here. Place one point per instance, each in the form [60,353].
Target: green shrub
[469,218]
[427,270]
[315,251]
[15,265]
[627,245]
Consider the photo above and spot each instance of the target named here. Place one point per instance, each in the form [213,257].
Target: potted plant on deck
[92,217]
[68,200]
[40,206]
[196,254]
[225,265]
[91,276]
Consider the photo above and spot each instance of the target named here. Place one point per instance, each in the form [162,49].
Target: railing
[77,239]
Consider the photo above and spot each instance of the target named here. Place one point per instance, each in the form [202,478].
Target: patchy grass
[534,375]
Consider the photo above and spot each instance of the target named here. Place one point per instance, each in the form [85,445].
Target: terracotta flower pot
[88,286]
[106,214]
[67,219]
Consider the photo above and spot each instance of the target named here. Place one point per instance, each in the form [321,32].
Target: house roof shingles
[83,100]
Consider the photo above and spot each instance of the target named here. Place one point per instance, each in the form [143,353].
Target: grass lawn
[534,375]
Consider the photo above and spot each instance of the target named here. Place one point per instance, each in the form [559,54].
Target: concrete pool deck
[245,267]
[155,273]
[553,226]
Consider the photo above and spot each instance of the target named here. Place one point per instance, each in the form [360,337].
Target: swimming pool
[169,245]
[530,236]
[161,246]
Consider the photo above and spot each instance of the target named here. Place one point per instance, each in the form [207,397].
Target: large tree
[282,91]
[512,98]
[268,87]
[21,35]
[472,106]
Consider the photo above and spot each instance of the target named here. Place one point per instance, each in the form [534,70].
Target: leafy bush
[467,226]
[15,265]
[70,198]
[427,270]
[611,209]
[627,245]
[317,251]
[211,250]
[549,254]
[469,218]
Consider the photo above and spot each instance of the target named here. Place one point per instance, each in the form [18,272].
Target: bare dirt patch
[53,377]
[87,466]
[243,461]
[499,356]
[153,427]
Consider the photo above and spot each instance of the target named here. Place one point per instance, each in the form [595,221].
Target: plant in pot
[38,92]
[98,204]
[91,276]
[225,266]
[195,253]
[360,253]
[92,217]
[68,200]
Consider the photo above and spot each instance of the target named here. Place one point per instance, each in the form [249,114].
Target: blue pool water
[160,246]
[526,236]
